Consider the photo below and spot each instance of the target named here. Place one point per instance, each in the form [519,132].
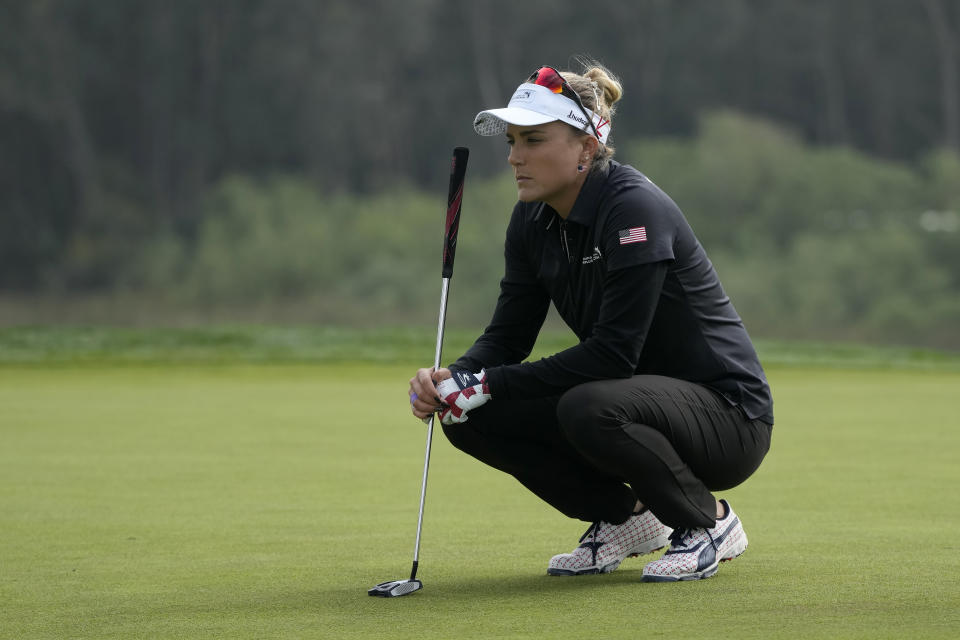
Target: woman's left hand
[424,398]
[463,392]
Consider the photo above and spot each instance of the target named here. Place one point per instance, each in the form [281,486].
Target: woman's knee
[456,434]
[467,436]
[581,414]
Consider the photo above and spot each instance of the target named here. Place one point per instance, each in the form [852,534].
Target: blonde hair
[599,90]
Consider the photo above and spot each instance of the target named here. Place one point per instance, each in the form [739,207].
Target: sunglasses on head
[551,79]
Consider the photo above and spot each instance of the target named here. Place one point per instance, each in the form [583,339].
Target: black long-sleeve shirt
[629,277]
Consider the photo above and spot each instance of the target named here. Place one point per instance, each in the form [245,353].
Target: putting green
[263,501]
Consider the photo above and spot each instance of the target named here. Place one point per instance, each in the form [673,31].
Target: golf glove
[463,392]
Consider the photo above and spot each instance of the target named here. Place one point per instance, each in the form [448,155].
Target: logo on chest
[594,257]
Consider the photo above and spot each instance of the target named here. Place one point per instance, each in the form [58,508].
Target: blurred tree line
[810,241]
[228,151]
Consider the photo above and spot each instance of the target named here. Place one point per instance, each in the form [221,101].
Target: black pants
[671,441]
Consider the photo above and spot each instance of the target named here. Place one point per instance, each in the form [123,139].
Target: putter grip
[458,171]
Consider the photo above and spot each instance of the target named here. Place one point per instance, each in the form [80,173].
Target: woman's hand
[463,392]
[424,399]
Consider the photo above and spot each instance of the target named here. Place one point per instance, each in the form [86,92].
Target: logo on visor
[522,95]
[576,118]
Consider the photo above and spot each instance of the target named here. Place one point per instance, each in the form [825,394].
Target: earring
[579,168]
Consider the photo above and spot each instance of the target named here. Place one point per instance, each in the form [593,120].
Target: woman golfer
[661,403]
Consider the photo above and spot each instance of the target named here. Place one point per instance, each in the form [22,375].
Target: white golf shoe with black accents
[697,553]
[604,546]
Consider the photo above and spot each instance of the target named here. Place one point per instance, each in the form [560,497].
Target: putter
[458,170]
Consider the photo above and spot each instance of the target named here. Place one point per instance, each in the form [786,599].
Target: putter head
[395,588]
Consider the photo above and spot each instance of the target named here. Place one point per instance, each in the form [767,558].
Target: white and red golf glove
[463,392]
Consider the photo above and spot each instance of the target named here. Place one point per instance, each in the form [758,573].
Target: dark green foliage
[256,155]
[819,241]
[810,242]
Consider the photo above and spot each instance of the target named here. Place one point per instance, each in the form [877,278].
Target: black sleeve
[512,332]
[629,301]
[520,312]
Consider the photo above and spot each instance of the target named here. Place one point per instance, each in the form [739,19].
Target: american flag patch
[636,234]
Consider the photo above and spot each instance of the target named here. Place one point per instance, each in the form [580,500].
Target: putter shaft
[444,294]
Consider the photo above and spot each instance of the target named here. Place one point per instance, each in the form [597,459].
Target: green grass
[199,497]
[44,345]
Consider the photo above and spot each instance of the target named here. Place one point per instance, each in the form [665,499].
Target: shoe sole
[697,575]
[583,572]
[654,545]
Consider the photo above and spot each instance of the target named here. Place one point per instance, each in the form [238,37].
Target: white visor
[533,104]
